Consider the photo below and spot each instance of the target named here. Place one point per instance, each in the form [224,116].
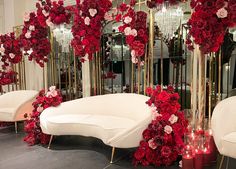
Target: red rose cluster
[155,3]
[163,139]
[34,37]
[7,77]
[135,29]
[10,52]
[87,26]
[45,99]
[52,13]
[209,22]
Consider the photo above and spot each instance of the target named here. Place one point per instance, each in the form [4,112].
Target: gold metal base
[221,161]
[50,141]
[112,154]
[16,128]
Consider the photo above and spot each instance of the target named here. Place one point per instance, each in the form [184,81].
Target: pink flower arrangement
[163,139]
[87,27]
[209,22]
[45,99]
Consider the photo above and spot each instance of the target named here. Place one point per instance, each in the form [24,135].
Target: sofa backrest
[15,99]
[128,105]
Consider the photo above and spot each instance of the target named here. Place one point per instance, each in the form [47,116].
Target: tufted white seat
[13,105]
[224,126]
[117,119]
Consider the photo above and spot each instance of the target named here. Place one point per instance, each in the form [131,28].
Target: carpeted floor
[67,152]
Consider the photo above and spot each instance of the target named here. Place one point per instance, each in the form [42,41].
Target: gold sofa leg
[112,154]
[221,161]
[50,141]
[16,128]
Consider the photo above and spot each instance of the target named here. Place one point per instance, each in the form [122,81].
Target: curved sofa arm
[131,137]
[223,120]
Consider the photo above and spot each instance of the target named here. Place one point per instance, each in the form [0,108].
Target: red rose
[139,154]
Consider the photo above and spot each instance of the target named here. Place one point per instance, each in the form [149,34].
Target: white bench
[13,105]
[117,119]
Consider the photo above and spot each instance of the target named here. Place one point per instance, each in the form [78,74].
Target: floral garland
[45,99]
[34,35]
[162,140]
[135,30]
[209,22]
[155,3]
[87,26]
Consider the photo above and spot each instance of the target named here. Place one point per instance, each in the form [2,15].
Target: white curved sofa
[223,124]
[13,105]
[117,119]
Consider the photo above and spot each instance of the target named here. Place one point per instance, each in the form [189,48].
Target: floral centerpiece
[45,99]
[163,139]
[87,27]
[209,23]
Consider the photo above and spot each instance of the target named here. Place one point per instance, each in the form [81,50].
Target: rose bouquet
[45,99]
[163,139]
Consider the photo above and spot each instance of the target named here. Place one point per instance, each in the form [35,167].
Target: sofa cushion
[229,144]
[103,127]
[7,114]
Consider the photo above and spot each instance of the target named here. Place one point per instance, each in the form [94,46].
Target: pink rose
[173,119]
[152,144]
[87,21]
[134,60]
[222,13]
[108,17]
[52,88]
[32,28]
[127,20]
[127,31]
[168,129]
[93,12]
[11,55]
[28,34]
[133,32]
[49,23]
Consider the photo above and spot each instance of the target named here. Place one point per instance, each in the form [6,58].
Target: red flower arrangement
[135,30]
[87,26]
[209,22]
[10,52]
[52,13]
[45,99]
[34,39]
[163,139]
[7,77]
[155,3]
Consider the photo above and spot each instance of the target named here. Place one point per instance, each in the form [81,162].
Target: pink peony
[168,129]
[222,13]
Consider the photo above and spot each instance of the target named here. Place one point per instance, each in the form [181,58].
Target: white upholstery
[117,119]
[224,126]
[13,105]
